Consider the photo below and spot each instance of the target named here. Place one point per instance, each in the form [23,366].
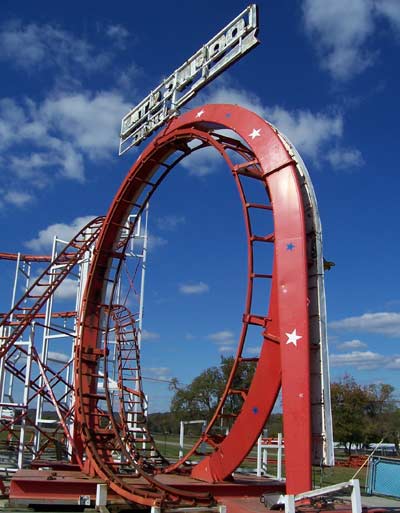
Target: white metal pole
[259,442]
[144,259]
[264,465]
[356,505]
[45,345]
[2,371]
[25,398]
[289,504]
[14,292]
[203,443]
[181,438]
[6,331]
[279,458]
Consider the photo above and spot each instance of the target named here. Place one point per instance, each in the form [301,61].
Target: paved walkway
[384,502]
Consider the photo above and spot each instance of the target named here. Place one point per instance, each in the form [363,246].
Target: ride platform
[71,487]
[61,488]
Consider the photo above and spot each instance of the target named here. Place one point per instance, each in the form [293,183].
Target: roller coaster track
[28,310]
[132,401]
[282,227]
[290,328]
[46,284]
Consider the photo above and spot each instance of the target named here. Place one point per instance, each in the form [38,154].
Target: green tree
[165,422]
[362,414]
[200,398]
[349,406]
[394,427]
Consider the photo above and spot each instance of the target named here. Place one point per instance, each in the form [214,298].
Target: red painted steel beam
[284,357]
[56,315]
[279,172]
[25,258]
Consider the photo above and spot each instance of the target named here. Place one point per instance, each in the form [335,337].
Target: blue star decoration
[255,410]
[290,246]
[228,115]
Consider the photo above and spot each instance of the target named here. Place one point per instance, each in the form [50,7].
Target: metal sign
[226,47]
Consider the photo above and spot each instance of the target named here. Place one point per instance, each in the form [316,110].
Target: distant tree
[349,406]
[394,427]
[165,422]
[362,414]
[381,410]
[199,399]
[274,424]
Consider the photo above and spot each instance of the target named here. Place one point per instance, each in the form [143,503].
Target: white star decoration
[200,113]
[293,338]
[255,133]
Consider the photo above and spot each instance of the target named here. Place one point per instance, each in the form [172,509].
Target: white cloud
[389,9]
[150,335]
[351,344]
[56,136]
[361,360]
[66,232]
[170,222]
[225,340]
[67,289]
[89,121]
[17,198]
[313,133]
[127,79]
[118,34]
[12,116]
[394,363]
[339,30]
[155,241]
[308,131]
[202,162]
[54,356]
[244,98]
[32,167]
[195,288]
[253,350]
[161,373]
[221,336]
[342,32]
[32,46]
[384,323]
[345,158]
[227,349]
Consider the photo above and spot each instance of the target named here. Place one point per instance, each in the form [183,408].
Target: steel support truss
[37,398]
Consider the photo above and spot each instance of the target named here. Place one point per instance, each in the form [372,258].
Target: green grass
[328,476]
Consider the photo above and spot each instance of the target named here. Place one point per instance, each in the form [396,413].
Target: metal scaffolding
[36,373]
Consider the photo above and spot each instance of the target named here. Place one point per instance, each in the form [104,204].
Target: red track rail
[25,258]
[284,357]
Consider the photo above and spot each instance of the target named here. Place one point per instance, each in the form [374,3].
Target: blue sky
[326,74]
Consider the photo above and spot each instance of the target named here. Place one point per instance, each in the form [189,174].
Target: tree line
[362,414]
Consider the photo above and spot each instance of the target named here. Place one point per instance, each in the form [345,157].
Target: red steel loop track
[257,158]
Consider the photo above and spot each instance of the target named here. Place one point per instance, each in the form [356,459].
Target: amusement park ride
[97,439]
